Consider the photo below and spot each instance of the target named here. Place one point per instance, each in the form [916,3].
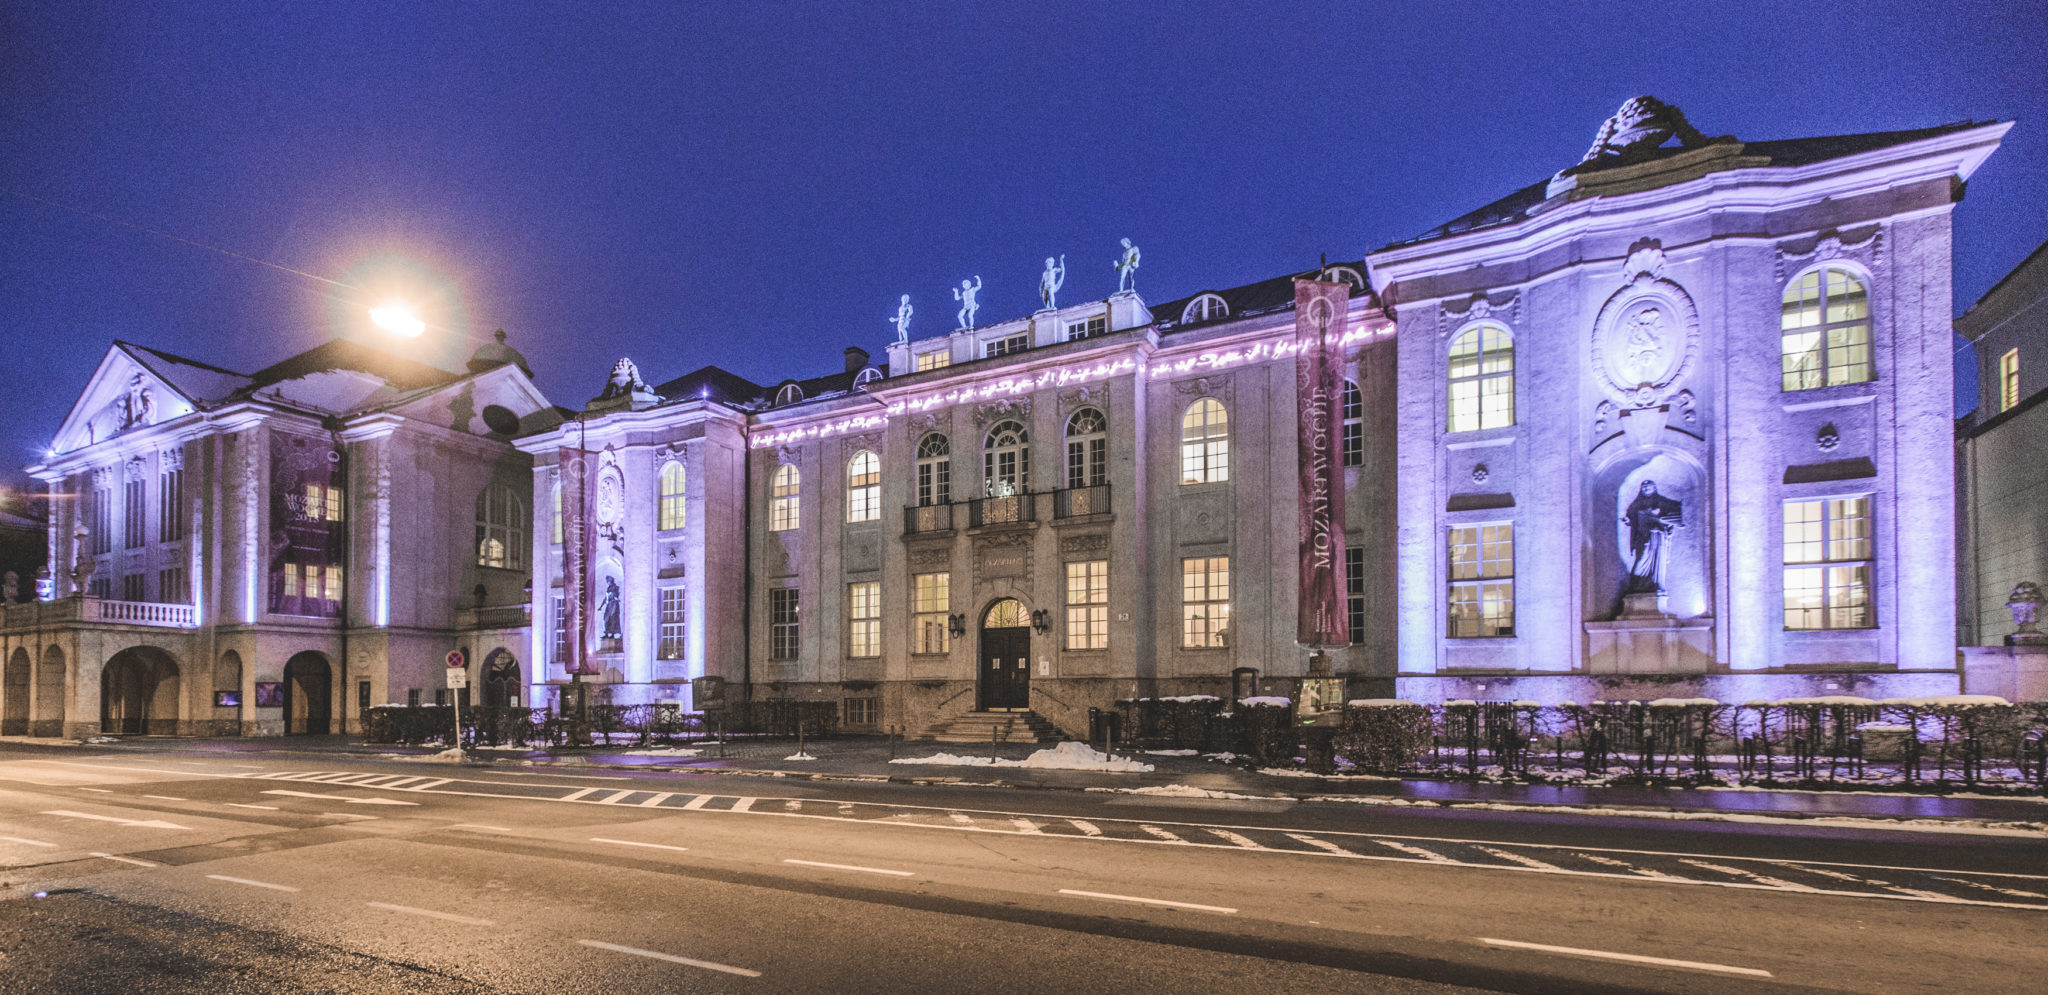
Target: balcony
[1081,502]
[41,614]
[928,518]
[1016,509]
[492,617]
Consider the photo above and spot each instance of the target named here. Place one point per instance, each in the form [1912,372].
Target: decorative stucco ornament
[136,407]
[1050,281]
[1480,473]
[1127,268]
[1642,123]
[1646,341]
[1827,438]
[2025,604]
[902,320]
[965,295]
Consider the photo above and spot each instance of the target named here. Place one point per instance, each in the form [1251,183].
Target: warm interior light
[398,320]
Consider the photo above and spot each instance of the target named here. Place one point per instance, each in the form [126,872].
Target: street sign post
[458,679]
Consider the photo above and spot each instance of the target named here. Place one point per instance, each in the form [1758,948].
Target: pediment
[467,405]
[122,396]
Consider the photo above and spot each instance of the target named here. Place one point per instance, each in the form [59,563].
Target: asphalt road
[174,871]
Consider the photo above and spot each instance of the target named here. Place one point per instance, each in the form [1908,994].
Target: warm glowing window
[671,512]
[671,631]
[933,360]
[1482,590]
[783,488]
[1828,564]
[1205,443]
[1205,601]
[322,503]
[864,487]
[1482,379]
[864,619]
[782,623]
[1087,449]
[500,528]
[934,470]
[1088,605]
[931,597]
[1354,425]
[2009,380]
[1006,461]
[1824,328]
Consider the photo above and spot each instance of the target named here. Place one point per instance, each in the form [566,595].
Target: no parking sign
[458,675]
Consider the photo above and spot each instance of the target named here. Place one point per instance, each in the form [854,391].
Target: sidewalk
[1193,776]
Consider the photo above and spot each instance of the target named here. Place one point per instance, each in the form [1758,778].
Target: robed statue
[1650,518]
[608,609]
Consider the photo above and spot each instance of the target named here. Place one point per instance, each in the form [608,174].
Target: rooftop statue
[965,295]
[1127,268]
[902,320]
[625,379]
[1642,121]
[1050,282]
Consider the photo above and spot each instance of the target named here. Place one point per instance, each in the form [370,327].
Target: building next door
[1006,656]
[308,694]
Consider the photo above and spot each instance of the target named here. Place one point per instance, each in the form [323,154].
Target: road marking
[345,815]
[1162,834]
[145,824]
[1324,845]
[475,825]
[101,791]
[30,842]
[659,797]
[266,808]
[742,805]
[339,798]
[430,785]
[698,802]
[1516,858]
[962,818]
[125,860]
[654,846]
[574,795]
[1748,875]
[165,798]
[252,884]
[1086,828]
[1631,868]
[672,958]
[1149,901]
[2014,892]
[1027,827]
[431,914]
[849,867]
[793,805]
[1693,965]
[614,798]
[1416,851]
[1236,840]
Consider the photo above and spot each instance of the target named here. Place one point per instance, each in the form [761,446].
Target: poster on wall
[307,537]
[269,694]
[1319,311]
[579,547]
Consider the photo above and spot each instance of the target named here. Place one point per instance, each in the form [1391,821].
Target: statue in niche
[608,609]
[902,320]
[1642,355]
[1127,268]
[1650,518]
[1050,281]
[138,405]
[965,295]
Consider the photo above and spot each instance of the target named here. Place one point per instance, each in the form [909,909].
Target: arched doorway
[501,679]
[139,693]
[308,694]
[49,705]
[14,694]
[1006,657]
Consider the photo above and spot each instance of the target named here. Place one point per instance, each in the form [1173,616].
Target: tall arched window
[1205,443]
[500,528]
[1354,425]
[1482,379]
[671,510]
[863,487]
[1006,460]
[934,470]
[1087,449]
[1824,330]
[783,487]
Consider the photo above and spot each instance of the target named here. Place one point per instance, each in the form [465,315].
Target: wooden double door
[1006,667]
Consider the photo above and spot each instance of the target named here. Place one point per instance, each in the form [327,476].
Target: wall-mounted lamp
[1041,621]
[957,625]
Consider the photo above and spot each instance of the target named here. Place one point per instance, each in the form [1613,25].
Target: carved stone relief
[856,443]
[134,470]
[990,412]
[1646,341]
[171,459]
[1863,246]
[1827,438]
[1219,387]
[931,556]
[1089,543]
[1479,307]
[1086,396]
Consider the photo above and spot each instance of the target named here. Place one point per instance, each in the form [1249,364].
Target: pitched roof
[712,383]
[203,383]
[349,355]
[1264,297]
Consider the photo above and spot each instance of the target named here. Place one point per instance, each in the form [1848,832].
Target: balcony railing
[928,518]
[139,613]
[1076,502]
[1012,510]
[492,617]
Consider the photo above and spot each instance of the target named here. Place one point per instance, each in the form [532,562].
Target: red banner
[1319,310]
[579,547]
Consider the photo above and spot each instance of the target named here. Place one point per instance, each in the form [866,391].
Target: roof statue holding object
[1050,282]
[902,320]
[965,295]
[1127,268]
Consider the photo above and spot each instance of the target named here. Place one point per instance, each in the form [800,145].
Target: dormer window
[935,359]
[789,394]
[865,377]
[1007,345]
[1345,275]
[1088,328]
[1207,307]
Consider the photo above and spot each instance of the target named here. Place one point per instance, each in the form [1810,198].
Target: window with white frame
[934,470]
[671,623]
[1482,580]
[1006,345]
[1088,605]
[1088,328]
[783,491]
[1354,592]
[789,394]
[864,619]
[1481,377]
[1087,449]
[103,523]
[930,599]
[864,487]
[170,504]
[171,586]
[1204,602]
[1006,460]
[1354,425]
[2009,380]
[934,360]
[782,623]
[500,528]
[1824,325]
[560,613]
[670,511]
[1205,443]
[1828,563]
[135,513]
[1207,307]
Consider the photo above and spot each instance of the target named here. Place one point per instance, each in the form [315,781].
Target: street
[173,870]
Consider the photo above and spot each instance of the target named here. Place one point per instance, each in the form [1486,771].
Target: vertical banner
[579,542]
[1319,310]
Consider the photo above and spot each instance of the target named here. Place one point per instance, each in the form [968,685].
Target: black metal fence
[616,725]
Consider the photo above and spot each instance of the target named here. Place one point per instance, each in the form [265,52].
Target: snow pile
[1382,703]
[799,756]
[1949,701]
[1066,756]
[1826,699]
[1184,698]
[1171,753]
[664,751]
[451,755]
[1267,700]
[1883,727]
[1181,791]
[1685,703]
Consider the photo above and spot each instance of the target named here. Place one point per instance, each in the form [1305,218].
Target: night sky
[752,185]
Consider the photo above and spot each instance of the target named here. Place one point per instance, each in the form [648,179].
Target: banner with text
[1319,310]
[579,546]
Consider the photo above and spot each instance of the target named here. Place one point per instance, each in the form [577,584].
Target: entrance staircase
[1007,727]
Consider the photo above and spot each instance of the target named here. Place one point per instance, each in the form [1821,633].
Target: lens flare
[398,320]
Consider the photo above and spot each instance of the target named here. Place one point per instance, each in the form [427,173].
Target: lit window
[1482,580]
[934,470]
[933,360]
[1204,601]
[1482,379]
[672,508]
[321,503]
[2009,380]
[1006,461]
[1088,605]
[864,487]
[1354,590]
[1354,425]
[1207,307]
[671,623]
[561,619]
[782,499]
[1205,443]
[1824,328]
[1088,329]
[931,597]
[500,528]
[1007,345]
[1827,564]
[1087,449]
[864,619]
[782,623]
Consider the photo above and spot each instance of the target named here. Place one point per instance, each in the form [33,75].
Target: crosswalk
[1807,877]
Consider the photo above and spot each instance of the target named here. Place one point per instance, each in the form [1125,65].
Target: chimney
[856,359]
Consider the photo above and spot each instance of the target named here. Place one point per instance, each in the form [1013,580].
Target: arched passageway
[139,693]
[14,685]
[308,694]
[48,717]
[501,679]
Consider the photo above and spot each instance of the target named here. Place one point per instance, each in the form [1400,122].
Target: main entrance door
[308,694]
[1006,656]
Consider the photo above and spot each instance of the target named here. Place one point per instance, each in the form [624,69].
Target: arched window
[863,487]
[934,470]
[1205,443]
[500,528]
[1207,307]
[783,487]
[1087,449]
[1482,379]
[1354,425]
[865,377]
[789,394]
[1346,275]
[1006,460]
[671,510]
[1824,330]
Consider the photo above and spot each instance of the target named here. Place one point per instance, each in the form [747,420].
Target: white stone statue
[902,320]
[965,295]
[1050,282]
[1643,345]
[1127,268]
[138,405]
[625,379]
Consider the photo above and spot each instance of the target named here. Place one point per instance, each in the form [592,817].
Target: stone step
[1010,727]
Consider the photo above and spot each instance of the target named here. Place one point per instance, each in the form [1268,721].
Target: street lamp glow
[398,320]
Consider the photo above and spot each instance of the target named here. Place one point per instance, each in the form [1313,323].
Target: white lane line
[429,786]
[574,795]
[478,825]
[671,958]
[165,798]
[339,798]
[1761,879]
[124,860]
[26,841]
[381,780]
[1323,845]
[613,798]
[696,803]
[2013,892]
[401,782]
[1149,901]
[431,914]
[1692,965]
[1824,872]
[1415,851]
[1516,858]
[1236,840]
[962,818]
[651,846]
[1623,865]
[1086,828]
[100,791]
[142,823]
[252,884]
[659,797]
[1027,827]
[266,808]
[1162,834]
[742,805]
[849,867]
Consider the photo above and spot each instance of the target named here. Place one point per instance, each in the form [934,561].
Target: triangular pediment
[124,394]
[466,405]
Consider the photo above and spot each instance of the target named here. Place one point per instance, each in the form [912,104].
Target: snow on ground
[1267,700]
[799,756]
[1182,791]
[1066,756]
[1973,827]
[1171,753]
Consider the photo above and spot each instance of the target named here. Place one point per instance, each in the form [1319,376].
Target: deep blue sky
[752,185]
